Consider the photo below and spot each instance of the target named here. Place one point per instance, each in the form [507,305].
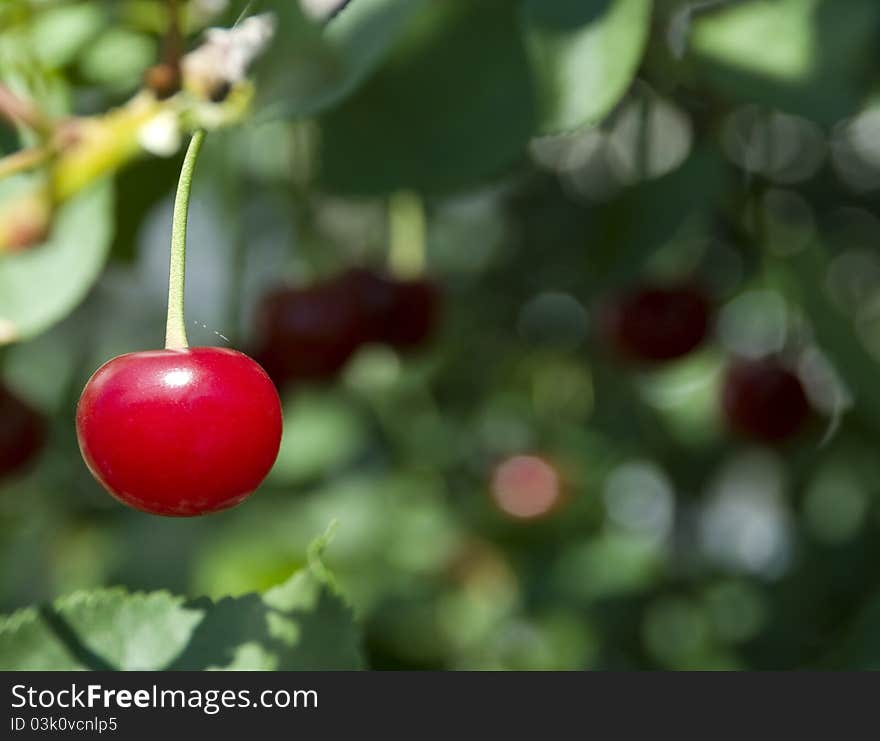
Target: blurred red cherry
[400,313]
[764,400]
[654,324]
[22,433]
[375,294]
[414,314]
[308,334]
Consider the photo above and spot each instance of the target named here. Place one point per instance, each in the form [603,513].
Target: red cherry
[401,313]
[180,432]
[22,433]
[653,324]
[308,334]
[764,400]
[413,315]
[375,295]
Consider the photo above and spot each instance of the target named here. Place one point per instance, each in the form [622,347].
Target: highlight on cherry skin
[180,432]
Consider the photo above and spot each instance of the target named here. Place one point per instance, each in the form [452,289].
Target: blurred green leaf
[311,67]
[564,14]
[42,285]
[363,35]
[610,565]
[836,334]
[802,56]
[118,59]
[24,73]
[585,56]
[664,206]
[59,34]
[452,106]
[860,645]
[771,39]
[299,625]
[320,433]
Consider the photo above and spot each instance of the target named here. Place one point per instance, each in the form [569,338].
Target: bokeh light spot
[754,324]
[525,487]
[798,146]
[639,498]
[836,504]
[555,319]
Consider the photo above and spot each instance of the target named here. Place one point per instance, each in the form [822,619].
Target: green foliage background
[561,149]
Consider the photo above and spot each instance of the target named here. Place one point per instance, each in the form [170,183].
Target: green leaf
[664,206]
[118,59]
[563,14]
[312,67]
[321,434]
[302,624]
[771,39]
[363,35]
[585,55]
[42,285]
[108,629]
[452,106]
[58,35]
[859,649]
[803,56]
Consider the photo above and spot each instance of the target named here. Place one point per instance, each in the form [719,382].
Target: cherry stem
[175,328]
[407,234]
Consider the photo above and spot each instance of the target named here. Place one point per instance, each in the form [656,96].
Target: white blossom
[227,53]
[161,134]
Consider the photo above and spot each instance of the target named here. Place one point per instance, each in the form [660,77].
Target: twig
[19,110]
[24,160]
[164,78]
[173,43]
